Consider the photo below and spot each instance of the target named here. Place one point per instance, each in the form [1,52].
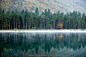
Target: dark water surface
[43,44]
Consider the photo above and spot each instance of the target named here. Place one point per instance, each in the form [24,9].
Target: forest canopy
[46,20]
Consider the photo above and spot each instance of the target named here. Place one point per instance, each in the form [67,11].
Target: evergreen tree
[47,20]
[54,17]
[83,21]
[0,21]
[79,19]
[36,18]
[22,13]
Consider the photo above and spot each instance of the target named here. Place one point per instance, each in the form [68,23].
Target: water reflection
[43,44]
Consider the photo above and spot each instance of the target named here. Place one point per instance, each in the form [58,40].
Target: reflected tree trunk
[14,38]
[9,36]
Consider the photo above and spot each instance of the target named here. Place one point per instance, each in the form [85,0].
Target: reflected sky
[43,44]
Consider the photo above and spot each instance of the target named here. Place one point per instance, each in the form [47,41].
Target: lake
[33,44]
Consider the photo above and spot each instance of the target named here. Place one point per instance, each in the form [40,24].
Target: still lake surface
[43,44]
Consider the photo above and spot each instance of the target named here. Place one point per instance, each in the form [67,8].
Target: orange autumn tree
[59,25]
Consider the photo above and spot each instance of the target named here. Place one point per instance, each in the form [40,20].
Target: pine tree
[23,18]
[54,17]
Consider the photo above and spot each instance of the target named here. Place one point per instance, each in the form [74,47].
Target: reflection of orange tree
[59,36]
[59,25]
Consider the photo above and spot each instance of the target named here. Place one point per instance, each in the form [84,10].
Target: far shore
[45,30]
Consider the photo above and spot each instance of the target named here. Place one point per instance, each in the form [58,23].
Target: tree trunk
[14,23]
[82,24]
[26,25]
[2,23]
[69,23]
[40,25]
[19,26]
[23,23]
[78,24]
[54,24]
[6,24]
[65,26]
[9,24]
[29,26]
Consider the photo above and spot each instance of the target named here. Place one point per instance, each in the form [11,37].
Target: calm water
[43,44]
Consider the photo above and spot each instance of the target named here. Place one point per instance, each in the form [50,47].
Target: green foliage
[46,20]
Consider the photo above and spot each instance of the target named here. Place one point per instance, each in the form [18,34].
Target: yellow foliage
[33,27]
[59,36]
[59,25]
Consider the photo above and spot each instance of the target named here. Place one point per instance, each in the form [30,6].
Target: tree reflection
[29,41]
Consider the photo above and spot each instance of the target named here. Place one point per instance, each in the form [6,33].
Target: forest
[46,20]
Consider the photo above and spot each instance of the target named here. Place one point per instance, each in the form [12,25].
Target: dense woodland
[46,20]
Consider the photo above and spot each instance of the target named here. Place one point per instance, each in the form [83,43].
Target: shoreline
[46,30]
